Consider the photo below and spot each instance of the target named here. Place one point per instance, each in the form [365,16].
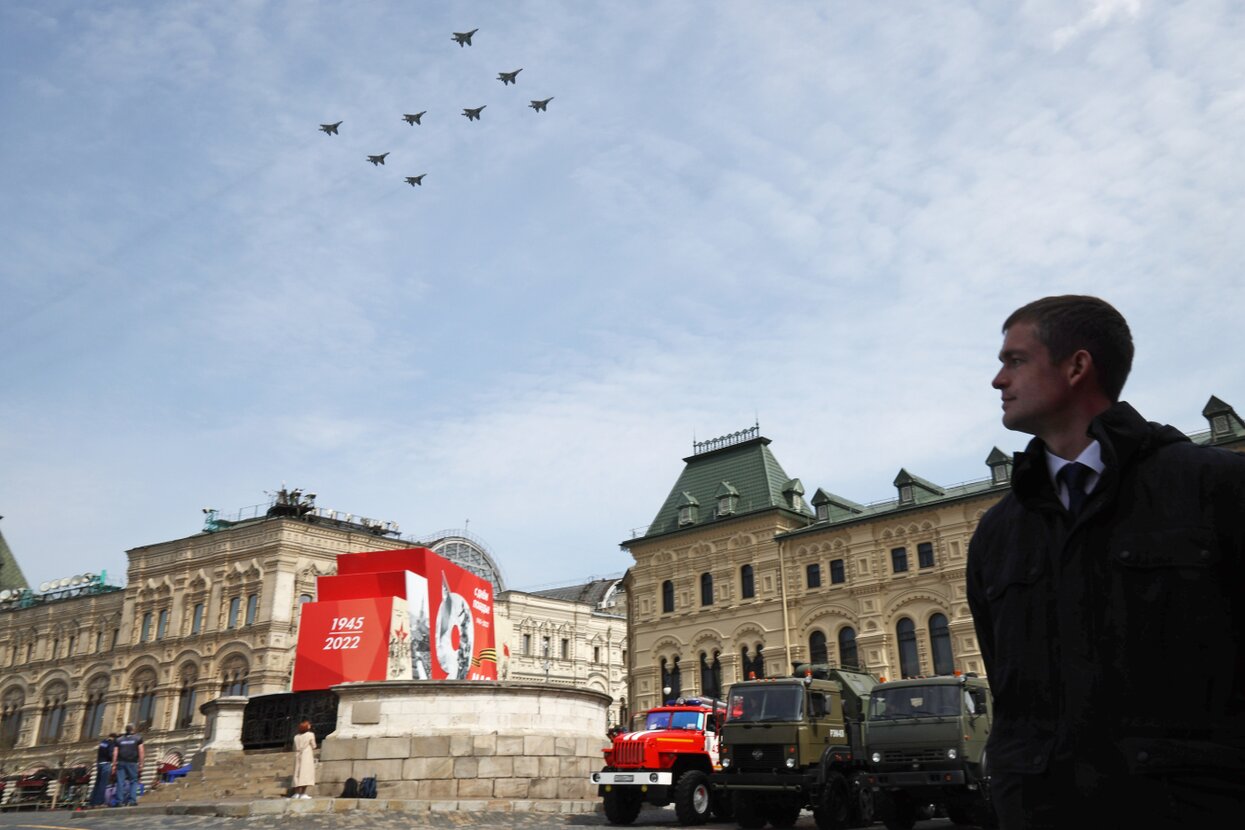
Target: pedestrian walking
[127,762]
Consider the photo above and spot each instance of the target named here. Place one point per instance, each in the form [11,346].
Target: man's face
[1036,392]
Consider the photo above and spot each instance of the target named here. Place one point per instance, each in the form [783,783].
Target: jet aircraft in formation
[413,119]
[375,160]
[416,180]
[473,114]
[539,106]
[464,38]
[330,129]
[507,78]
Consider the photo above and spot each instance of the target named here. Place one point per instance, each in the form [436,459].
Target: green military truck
[926,746]
[792,743]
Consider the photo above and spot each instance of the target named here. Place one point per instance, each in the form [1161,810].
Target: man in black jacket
[1108,594]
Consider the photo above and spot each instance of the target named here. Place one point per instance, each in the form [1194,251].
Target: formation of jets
[471,114]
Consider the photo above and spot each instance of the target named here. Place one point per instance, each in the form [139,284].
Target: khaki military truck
[796,742]
[926,746]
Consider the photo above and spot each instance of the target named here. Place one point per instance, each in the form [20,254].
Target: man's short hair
[129,727]
[1071,322]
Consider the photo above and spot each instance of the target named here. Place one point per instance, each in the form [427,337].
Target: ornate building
[215,614]
[738,575]
[571,636]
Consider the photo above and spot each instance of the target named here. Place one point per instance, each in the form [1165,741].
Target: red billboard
[445,630]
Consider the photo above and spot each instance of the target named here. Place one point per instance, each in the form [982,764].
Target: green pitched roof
[748,468]
[10,573]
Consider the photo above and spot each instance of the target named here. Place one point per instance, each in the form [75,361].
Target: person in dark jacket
[103,770]
[1107,594]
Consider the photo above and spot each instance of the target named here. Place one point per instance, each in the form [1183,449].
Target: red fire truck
[668,760]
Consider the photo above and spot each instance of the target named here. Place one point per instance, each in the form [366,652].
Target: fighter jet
[416,180]
[473,115]
[508,77]
[464,38]
[413,119]
[539,106]
[330,129]
[375,160]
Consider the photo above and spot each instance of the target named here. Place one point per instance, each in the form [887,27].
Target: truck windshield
[766,703]
[914,701]
[674,720]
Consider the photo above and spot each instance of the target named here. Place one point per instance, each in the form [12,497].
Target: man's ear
[1079,369]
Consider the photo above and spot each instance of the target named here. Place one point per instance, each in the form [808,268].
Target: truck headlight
[726,762]
[876,757]
[790,763]
[952,754]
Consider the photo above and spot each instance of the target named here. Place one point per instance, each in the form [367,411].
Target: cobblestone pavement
[122,819]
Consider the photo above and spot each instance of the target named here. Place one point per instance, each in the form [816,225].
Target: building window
[196,618]
[940,645]
[232,620]
[11,718]
[925,554]
[527,645]
[899,560]
[53,723]
[162,624]
[143,701]
[817,648]
[847,648]
[667,597]
[566,649]
[823,512]
[145,631]
[93,711]
[303,599]
[56,647]
[544,646]
[706,589]
[186,697]
[99,641]
[596,654]
[73,642]
[813,575]
[728,499]
[747,587]
[909,660]
[837,575]
[234,677]
[252,608]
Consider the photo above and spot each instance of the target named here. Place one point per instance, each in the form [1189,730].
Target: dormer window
[1219,425]
[823,512]
[794,493]
[689,510]
[1000,464]
[905,494]
[728,499]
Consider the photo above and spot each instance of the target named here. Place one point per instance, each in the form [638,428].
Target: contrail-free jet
[413,119]
[539,106]
[508,77]
[416,180]
[464,38]
[330,129]
[375,160]
[473,115]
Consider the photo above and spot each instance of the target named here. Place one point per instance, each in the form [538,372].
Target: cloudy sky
[811,215]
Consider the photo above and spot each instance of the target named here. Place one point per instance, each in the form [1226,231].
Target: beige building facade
[216,614]
[739,575]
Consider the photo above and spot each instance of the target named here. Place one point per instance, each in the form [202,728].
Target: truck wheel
[862,810]
[692,798]
[749,812]
[833,804]
[622,806]
[723,806]
[902,813]
[784,811]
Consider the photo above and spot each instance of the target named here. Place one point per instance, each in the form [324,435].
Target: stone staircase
[247,775]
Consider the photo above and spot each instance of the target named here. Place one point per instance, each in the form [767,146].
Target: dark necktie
[1074,476]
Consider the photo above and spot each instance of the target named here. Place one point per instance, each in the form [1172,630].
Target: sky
[809,216]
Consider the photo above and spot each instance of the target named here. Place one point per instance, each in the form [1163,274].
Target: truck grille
[629,753]
[757,756]
[914,756]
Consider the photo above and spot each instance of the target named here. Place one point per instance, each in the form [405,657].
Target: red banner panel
[350,640]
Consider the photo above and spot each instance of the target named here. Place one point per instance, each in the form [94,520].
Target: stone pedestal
[222,729]
[486,745]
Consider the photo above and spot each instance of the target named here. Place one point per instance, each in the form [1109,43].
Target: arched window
[909,660]
[817,648]
[234,673]
[706,589]
[667,597]
[145,630]
[940,645]
[143,700]
[11,717]
[93,711]
[747,588]
[847,647]
[186,696]
[52,726]
[710,675]
[671,678]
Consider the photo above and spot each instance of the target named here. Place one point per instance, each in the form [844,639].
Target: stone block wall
[466,741]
